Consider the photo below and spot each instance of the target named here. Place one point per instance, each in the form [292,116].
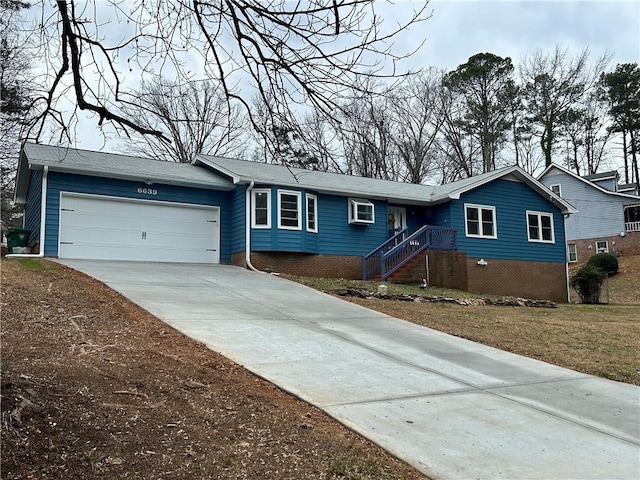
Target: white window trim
[559,188]
[315,212]
[480,208]
[299,212]
[540,215]
[254,192]
[606,246]
[575,252]
[353,207]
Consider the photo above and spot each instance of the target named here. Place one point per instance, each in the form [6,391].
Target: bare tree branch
[303,53]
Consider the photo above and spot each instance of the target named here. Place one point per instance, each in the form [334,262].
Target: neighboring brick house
[501,232]
[608,218]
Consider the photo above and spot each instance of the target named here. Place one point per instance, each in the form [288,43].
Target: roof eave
[140,178]
[588,182]
[538,187]
[200,159]
[22,180]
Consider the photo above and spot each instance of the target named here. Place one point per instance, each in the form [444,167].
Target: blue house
[501,232]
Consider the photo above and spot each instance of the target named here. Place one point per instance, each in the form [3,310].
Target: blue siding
[279,240]
[32,210]
[511,201]
[417,216]
[335,235]
[338,237]
[238,213]
[441,216]
[64,182]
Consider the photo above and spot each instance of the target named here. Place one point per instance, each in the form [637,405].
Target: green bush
[604,261]
[588,283]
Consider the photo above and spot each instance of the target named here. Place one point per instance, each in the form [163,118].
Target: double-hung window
[573,253]
[602,246]
[261,211]
[312,213]
[557,189]
[480,221]
[289,211]
[540,227]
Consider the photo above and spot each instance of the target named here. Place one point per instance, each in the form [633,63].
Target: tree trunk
[546,142]
[626,160]
[634,159]
[515,143]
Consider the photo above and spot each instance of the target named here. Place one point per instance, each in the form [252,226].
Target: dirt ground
[94,387]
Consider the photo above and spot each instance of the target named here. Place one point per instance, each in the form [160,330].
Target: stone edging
[467,302]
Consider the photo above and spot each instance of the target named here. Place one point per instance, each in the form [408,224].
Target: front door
[397,219]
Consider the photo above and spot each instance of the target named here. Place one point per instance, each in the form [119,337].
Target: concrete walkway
[450,407]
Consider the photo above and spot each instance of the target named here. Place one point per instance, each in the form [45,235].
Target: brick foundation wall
[622,246]
[445,269]
[448,270]
[535,280]
[310,265]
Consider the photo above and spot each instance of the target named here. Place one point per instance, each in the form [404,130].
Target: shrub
[588,283]
[604,261]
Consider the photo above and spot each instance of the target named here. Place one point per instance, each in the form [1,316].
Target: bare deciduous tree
[195,118]
[417,120]
[366,135]
[460,154]
[290,53]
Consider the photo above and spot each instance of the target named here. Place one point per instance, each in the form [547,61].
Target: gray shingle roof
[121,166]
[591,184]
[222,173]
[600,176]
[243,171]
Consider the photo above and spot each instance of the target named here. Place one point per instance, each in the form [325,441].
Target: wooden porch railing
[632,226]
[371,261]
[388,258]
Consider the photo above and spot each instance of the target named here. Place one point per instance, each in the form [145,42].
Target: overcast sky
[459,29]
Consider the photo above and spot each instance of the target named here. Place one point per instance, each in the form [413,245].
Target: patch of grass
[31,264]
[624,286]
[355,465]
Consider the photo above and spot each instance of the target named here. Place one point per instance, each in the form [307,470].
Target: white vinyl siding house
[600,212]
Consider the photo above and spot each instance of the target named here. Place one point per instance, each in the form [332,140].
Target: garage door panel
[107,228]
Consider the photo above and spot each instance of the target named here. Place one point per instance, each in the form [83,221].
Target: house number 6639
[148,191]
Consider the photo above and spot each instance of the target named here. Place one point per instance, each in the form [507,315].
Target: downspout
[43,215]
[247,223]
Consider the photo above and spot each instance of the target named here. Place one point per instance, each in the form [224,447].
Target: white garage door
[107,228]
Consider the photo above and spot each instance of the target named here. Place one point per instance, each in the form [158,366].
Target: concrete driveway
[450,407]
